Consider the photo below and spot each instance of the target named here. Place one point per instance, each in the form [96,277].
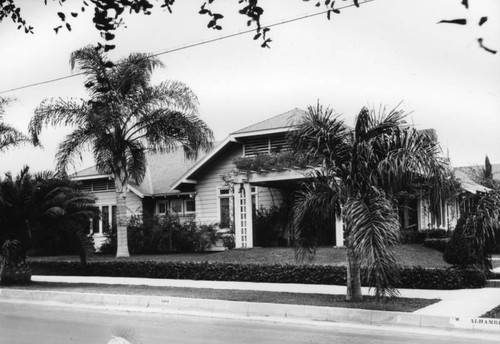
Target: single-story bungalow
[214,190]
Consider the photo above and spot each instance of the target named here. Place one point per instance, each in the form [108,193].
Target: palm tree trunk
[353,276]
[121,218]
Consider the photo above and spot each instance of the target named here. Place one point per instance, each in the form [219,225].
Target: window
[113,219]
[105,222]
[190,206]
[224,207]
[176,206]
[162,207]
[225,215]
[105,219]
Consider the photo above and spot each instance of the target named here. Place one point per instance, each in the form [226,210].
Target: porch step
[493,283]
[219,246]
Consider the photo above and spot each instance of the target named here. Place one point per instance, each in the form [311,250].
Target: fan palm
[9,136]
[361,171]
[124,117]
[37,203]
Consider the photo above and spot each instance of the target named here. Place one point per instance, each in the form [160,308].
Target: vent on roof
[265,145]
[97,185]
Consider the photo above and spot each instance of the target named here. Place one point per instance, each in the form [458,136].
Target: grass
[407,255]
[392,304]
[492,314]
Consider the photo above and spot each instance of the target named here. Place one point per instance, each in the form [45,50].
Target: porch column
[237,216]
[249,215]
[243,216]
[339,231]
[100,220]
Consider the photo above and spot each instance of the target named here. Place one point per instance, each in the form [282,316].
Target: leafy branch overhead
[463,21]
[108,15]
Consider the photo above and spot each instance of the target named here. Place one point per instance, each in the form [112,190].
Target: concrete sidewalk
[457,311]
[454,303]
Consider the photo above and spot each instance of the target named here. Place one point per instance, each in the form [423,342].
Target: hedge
[411,278]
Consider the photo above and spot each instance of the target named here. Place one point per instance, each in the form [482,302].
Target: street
[26,323]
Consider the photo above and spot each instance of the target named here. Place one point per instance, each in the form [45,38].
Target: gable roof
[162,169]
[467,183]
[283,121]
[276,124]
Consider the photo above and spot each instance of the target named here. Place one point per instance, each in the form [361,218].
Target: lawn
[407,255]
[392,304]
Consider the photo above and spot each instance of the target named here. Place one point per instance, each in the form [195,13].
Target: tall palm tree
[9,136]
[124,116]
[361,171]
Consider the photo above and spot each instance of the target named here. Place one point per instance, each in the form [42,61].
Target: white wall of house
[207,189]
[209,186]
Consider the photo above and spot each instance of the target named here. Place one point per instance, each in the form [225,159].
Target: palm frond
[374,231]
[73,145]
[317,205]
[11,137]
[323,137]
[133,73]
[57,112]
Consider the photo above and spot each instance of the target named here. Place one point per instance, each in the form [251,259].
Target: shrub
[412,278]
[270,225]
[460,249]
[15,273]
[437,244]
[163,234]
[228,241]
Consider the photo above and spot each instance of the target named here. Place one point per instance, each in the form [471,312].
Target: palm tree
[9,136]
[124,116]
[62,210]
[361,172]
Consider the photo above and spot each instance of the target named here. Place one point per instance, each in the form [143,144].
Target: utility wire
[192,45]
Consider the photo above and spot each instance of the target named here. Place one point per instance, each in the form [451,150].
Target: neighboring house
[152,196]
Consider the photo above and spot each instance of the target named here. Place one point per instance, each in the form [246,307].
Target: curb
[167,304]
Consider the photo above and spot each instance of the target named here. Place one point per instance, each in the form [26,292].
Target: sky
[381,54]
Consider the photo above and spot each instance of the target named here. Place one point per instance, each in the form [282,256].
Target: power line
[192,45]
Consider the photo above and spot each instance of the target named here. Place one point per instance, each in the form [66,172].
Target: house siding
[210,182]
[268,197]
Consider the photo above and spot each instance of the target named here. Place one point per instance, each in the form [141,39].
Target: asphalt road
[24,323]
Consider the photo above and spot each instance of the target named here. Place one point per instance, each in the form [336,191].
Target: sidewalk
[455,303]
[458,311]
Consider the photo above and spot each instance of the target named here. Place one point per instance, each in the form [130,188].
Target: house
[225,187]
[230,198]
[152,196]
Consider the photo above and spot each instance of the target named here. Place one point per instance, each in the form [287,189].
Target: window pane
[95,224]
[113,219]
[190,206]
[224,212]
[162,208]
[105,219]
[176,205]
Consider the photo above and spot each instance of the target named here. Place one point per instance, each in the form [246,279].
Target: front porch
[244,204]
